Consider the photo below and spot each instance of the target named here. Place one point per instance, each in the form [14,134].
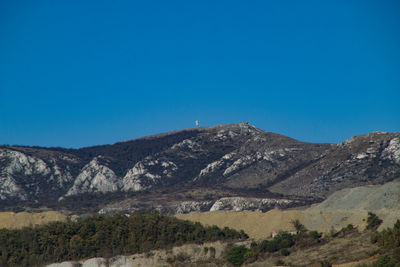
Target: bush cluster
[373,221]
[281,243]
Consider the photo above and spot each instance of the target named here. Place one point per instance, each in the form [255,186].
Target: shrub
[284,240]
[250,256]
[236,255]
[298,226]
[373,221]
[280,241]
[315,235]
[285,252]
[374,237]
[384,261]
[243,235]
[269,246]
[279,262]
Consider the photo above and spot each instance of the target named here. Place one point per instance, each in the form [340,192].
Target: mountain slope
[373,158]
[234,159]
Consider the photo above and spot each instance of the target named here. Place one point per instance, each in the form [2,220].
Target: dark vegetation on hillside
[124,155]
[389,242]
[282,243]
[104,236]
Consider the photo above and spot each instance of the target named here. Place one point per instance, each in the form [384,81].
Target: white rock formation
[9,188]
[140,177]
[95,262]
[242,203]
[192,206]
[118,261]
[392,151]
[188,144]
[18,164]
[95,177]
[135,177]
[63,264]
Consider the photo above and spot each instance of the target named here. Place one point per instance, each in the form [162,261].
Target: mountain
[196,165]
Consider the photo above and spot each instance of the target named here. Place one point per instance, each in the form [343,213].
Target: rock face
[146,173]
[26,176]
[237,157]
[95,177]
[259,204]
[192,206]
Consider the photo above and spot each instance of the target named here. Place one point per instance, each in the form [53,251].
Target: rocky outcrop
[140,177]
[192,206]
[225,203]
[117,261]
[259,204]
[392,151]
[95,177]
[24,176]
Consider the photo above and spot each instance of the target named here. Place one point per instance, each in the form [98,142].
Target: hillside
[373,197]
[212,163]
[346,206]
[345,247]
[106,236]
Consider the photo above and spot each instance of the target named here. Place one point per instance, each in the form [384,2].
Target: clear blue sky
[80,73]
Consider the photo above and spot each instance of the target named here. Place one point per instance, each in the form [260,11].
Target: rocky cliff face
[26,176]
[238,157]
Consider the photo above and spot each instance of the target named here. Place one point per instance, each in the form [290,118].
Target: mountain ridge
[234,159]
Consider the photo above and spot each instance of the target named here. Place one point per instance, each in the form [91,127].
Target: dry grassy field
[13,220]
[259,225]
[347,206]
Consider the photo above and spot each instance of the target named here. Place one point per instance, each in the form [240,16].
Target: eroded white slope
[16,164]
[95,177]
[141,177]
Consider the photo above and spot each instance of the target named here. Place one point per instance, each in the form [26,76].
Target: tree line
[102,236]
